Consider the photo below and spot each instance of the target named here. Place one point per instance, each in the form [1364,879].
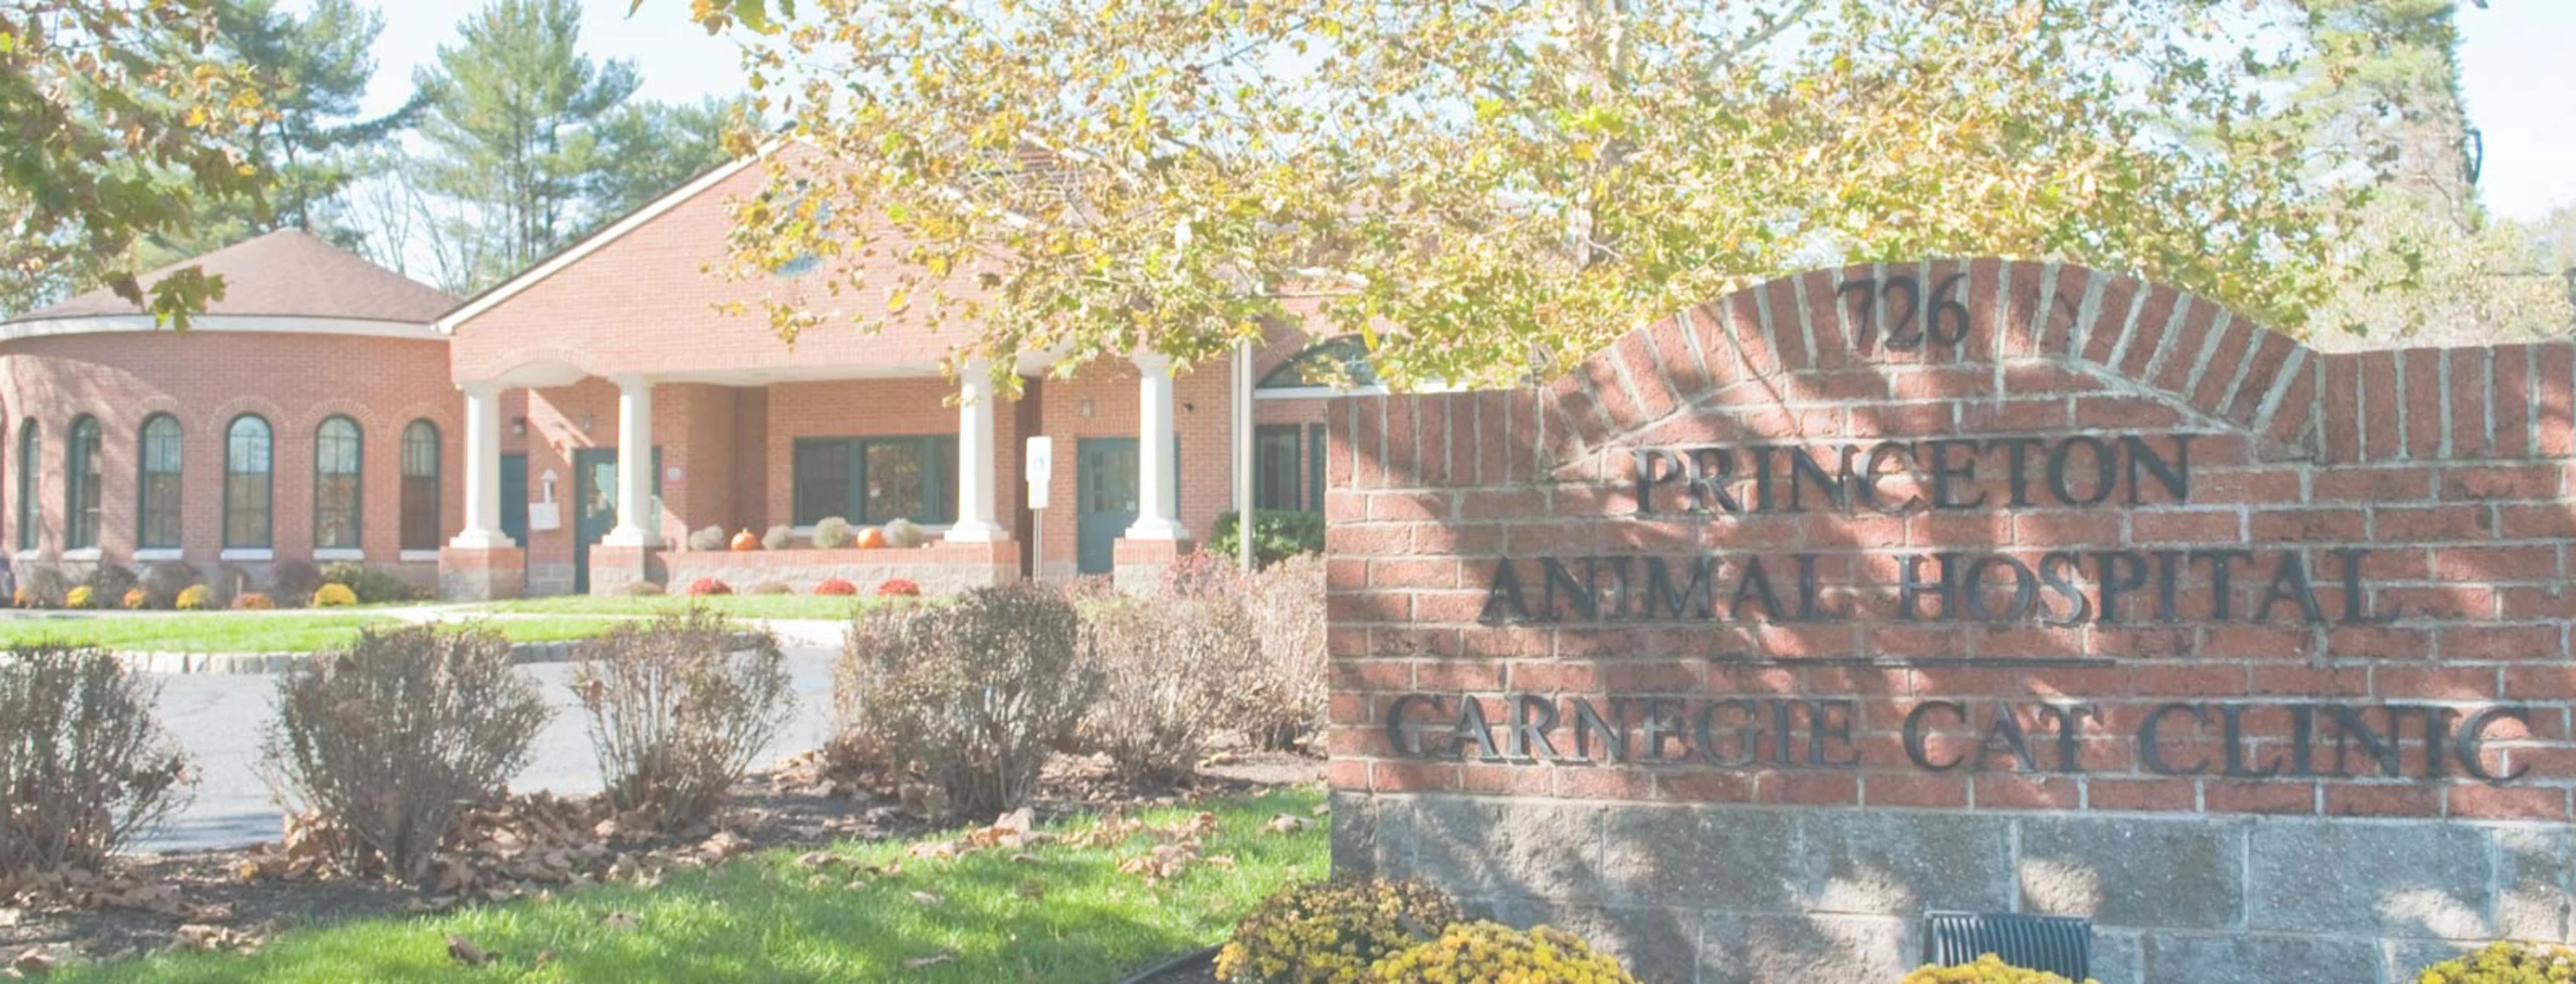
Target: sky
[2518,62]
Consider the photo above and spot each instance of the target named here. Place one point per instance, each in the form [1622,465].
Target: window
[337,451]
[1336,362]
[158,485]
[1288,467]
[31,460]
[247,460]
[875,479]
[80,486]
[420,486]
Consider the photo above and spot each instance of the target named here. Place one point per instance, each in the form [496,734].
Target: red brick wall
[2447,466]
[206,379]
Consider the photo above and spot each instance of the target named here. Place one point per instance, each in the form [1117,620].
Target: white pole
[1243,475]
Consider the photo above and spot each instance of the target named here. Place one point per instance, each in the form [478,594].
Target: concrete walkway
[220,719]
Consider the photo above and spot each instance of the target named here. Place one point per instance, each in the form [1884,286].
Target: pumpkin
[746,540]
[870,538]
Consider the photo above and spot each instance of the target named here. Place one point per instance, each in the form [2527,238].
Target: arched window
[337,452]
[1333,363]
[31,462]
[248,457]
[80,486]
[157,484]
[420,486]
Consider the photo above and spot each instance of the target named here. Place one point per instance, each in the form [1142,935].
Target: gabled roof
[284,274]
[594,242]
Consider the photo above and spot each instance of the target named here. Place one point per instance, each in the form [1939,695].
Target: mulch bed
[219,908]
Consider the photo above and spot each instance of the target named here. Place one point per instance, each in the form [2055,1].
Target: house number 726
[1912,318]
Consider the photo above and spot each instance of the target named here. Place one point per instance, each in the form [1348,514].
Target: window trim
[268,510]
[84,444]
[402,487]
[940,496]
[143,485]
[357,489]
[31,487]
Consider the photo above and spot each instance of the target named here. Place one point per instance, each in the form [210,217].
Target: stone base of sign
[938,567]
[1140,563]
[1768,895]
[482,575]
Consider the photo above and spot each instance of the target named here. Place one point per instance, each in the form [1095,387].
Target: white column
[1243,463]
[482,471]
[975,457]
[1158,478]
[639,524]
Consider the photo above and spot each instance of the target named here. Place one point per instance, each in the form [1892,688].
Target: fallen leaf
[941,957]
[1287,823]
[925,898]
[620,921]
[466,952]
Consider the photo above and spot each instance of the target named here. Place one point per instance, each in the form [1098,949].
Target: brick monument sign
[1984,586]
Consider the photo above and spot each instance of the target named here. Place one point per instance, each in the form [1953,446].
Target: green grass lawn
[256,632]
[739,606]
[1057,915]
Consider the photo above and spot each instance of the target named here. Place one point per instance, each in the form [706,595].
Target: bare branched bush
[974,695]
[393,737]
[1170,667]
[1281,698]
[680,707]
[84,764]
[163,581]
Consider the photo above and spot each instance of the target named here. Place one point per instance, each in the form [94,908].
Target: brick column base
[482,575]
[613,568]
[1139,564]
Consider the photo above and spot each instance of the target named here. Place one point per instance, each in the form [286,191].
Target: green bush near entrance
[1277,534]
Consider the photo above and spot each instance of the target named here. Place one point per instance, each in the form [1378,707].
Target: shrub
[163,581]
[80,597]
[1329,932]
[1492,953]
[254,601]
[191,599]
[394,736]
[1282,695]
[709,586]
[292,582]
[372,586]
[709,538]
[772,588]
[84,765]
[898,587]
[638,589]
[778,538]
[230,582]
[832,533]
[905,534]
[334,595]
[41,586]
[1168,669]
[974,695]
[679,707]
[835,586]
[136,599]
[1277,534]
[2499,963]
[111,581]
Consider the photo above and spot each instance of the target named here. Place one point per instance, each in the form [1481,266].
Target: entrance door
[1105,490]
[594,475]
[514,498]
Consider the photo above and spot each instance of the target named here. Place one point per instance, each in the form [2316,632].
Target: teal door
[1105,487]
[594,476]
[514,498]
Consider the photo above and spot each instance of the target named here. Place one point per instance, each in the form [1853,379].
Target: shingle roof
[287,273]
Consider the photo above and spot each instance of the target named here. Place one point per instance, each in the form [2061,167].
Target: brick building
[621,341]
[307,415]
